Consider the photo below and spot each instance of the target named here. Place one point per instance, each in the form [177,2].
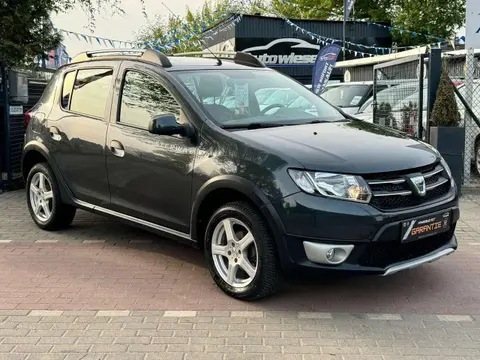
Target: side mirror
[167,124]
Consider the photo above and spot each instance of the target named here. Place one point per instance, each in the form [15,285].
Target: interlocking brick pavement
[102,264]
[102,290]
[75,335]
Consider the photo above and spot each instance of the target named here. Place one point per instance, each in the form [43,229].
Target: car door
[150,175]
[78,127]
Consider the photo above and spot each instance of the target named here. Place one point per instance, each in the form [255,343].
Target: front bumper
[370,239]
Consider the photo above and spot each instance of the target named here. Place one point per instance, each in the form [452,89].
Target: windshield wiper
[251,126]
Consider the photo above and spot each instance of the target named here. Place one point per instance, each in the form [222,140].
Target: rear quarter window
[91,90]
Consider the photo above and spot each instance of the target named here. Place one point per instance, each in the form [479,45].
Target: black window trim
[90,116]
[153,75]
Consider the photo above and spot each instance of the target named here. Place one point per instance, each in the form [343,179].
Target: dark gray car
[180,146]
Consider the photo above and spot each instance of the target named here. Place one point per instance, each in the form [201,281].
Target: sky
[118,27]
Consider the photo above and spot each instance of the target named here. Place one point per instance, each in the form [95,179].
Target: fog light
[330,254]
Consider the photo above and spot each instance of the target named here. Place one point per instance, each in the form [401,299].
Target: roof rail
[142,54]
[238,57]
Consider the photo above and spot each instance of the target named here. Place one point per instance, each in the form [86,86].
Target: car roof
[177,62]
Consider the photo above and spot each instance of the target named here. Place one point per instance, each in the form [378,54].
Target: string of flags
[324,40]
[229,24]
[439,41]
[168,41]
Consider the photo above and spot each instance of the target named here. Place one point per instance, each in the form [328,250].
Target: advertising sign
[472,31]
[347,5]
[324,65]
[285,52]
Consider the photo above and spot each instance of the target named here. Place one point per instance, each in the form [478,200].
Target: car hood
[355,147]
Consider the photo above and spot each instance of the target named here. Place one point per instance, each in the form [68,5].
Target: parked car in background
[391,96]
[472,136]
[349,96]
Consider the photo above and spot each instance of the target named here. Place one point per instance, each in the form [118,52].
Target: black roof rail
[247,59]
[149,55]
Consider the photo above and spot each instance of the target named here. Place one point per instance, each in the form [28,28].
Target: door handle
[117,148]
[55,134]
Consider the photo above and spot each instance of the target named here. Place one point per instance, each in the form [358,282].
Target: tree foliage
[435,17]
[445,110]
[26,30]
[208,16]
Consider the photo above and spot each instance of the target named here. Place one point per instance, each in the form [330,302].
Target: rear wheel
[44,202]
[240,252]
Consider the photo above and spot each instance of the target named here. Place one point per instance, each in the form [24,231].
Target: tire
[59,215]
[259,255]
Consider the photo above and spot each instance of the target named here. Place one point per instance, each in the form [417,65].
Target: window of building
[144,97]
[90,92]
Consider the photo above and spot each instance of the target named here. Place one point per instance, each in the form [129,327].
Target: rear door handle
[117,148]
[55,133]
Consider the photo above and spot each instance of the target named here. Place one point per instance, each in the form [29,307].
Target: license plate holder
[425,226]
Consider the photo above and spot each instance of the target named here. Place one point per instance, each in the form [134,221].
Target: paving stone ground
[102,290]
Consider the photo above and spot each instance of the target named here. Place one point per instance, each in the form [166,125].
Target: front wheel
[44,202]
[240,252]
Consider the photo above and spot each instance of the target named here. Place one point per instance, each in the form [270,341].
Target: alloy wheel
[41,197]
[234,252]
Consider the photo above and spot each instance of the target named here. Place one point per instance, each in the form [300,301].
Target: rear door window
[90,92]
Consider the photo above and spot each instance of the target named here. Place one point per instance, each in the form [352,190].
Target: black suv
[183,146]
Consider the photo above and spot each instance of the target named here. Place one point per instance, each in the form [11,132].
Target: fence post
[468,122]
[5,151]
[434,74]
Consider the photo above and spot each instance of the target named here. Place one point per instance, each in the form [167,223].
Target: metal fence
[399,95]
[464,71]
[20,90]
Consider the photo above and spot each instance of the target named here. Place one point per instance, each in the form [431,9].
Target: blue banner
[326,58]
[347,8]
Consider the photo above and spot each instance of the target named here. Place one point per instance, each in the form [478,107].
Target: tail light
[27,117]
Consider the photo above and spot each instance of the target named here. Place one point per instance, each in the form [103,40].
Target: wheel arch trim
[39,147]
[249,190]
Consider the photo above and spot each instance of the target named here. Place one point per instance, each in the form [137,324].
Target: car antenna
[219,62]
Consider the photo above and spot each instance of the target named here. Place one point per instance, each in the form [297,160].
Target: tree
[445,110]
[176,29]
[435,17]
[439,18]
[26,30]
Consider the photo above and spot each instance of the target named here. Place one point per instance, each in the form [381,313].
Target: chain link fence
[464,71]
[399,95]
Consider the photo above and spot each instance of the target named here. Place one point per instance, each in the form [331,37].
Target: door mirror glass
[166,124]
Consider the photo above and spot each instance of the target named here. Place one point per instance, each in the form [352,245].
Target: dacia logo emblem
[417,183]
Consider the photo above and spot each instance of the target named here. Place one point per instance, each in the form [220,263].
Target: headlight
[346,187]
[447,169]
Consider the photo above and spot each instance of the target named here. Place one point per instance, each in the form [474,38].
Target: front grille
[383,254]
[392,191]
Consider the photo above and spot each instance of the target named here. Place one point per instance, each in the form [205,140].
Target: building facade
[291,51]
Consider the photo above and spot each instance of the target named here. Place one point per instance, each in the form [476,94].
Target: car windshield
[345,96]
[242,98]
